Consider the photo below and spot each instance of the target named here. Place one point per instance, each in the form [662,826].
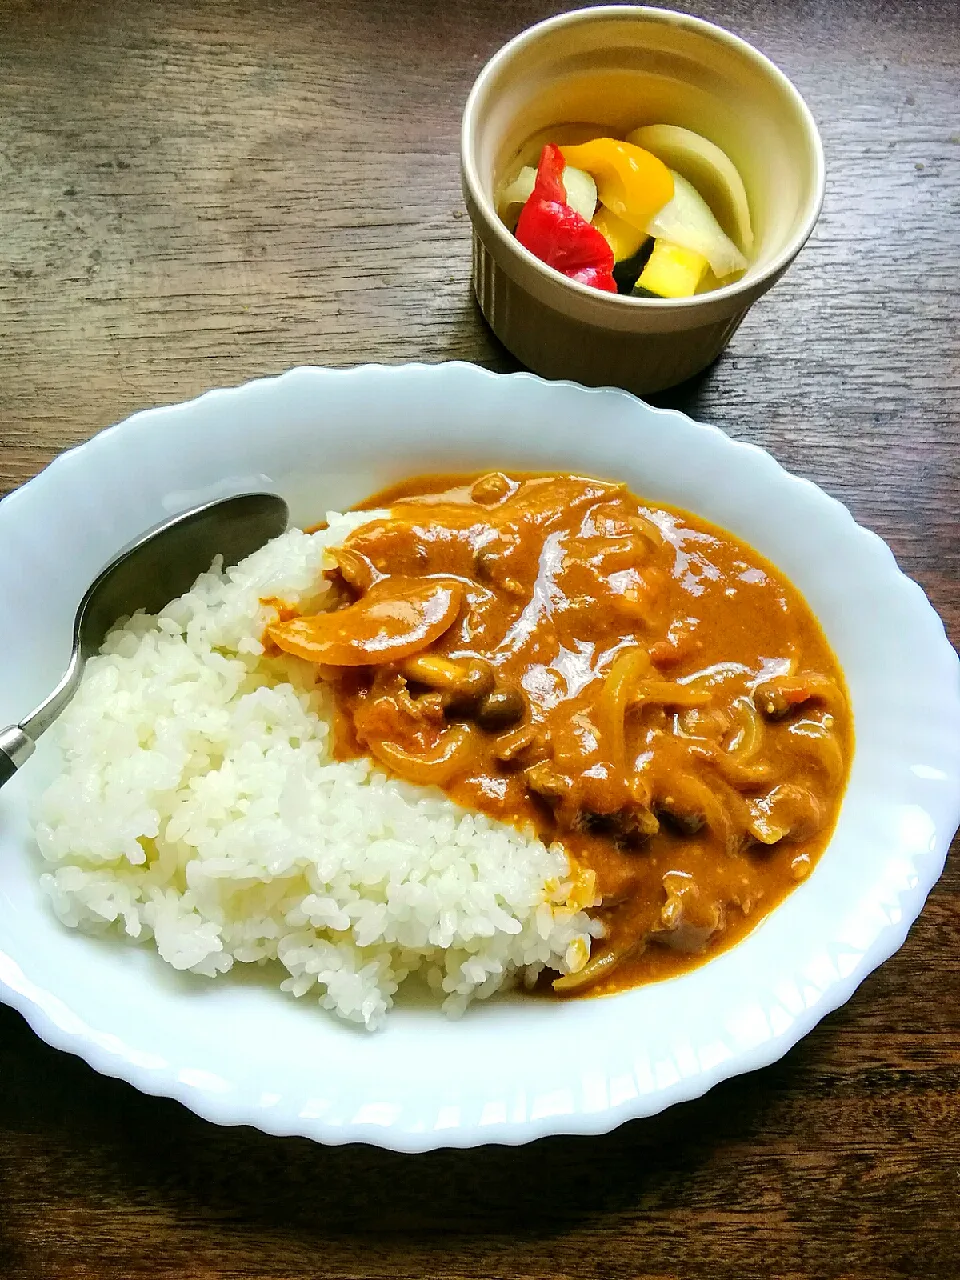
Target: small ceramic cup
[606,71]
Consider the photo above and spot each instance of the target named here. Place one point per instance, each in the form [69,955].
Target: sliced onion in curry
[395,619]
[600,966]
[509,646]
[431,768]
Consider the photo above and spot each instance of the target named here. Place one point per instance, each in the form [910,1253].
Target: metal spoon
[148,574]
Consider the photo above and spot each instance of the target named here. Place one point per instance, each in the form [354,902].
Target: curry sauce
[625,679]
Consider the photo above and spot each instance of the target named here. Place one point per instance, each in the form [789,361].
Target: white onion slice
[580,188]
[710,170]
[581,192]
[688,221]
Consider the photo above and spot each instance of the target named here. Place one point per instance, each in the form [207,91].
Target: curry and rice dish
[487,729]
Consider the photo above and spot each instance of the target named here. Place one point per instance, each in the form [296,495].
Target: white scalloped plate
[511,1070]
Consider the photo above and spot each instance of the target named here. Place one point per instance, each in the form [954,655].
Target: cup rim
[747,289]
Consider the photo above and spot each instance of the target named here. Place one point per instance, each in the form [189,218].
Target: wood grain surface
[193,194]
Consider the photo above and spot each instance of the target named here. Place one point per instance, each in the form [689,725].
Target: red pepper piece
[599,277]
[558,235]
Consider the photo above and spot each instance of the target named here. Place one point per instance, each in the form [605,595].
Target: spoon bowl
[147,574]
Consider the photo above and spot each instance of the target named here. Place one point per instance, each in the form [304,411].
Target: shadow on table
[690,397]
[138,1149]
[697,397]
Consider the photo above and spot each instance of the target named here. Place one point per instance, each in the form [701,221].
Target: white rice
[199,805]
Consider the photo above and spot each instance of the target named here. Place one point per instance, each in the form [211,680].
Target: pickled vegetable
[672,271]
[671,231]
[580,188]
[687,221]
[710,170]
[631,182]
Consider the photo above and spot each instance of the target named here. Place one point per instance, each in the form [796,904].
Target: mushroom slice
[466,679]
[688,922]
[787,812]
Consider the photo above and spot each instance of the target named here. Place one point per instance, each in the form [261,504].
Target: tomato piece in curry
[625,679]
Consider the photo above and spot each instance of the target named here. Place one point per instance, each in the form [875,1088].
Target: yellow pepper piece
[631,182]
[623,239]
[672,271]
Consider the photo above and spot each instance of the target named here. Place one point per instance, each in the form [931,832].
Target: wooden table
[193,195]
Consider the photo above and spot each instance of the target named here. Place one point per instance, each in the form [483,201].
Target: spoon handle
[15,749]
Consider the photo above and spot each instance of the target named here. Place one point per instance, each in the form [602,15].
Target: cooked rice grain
[200,805]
